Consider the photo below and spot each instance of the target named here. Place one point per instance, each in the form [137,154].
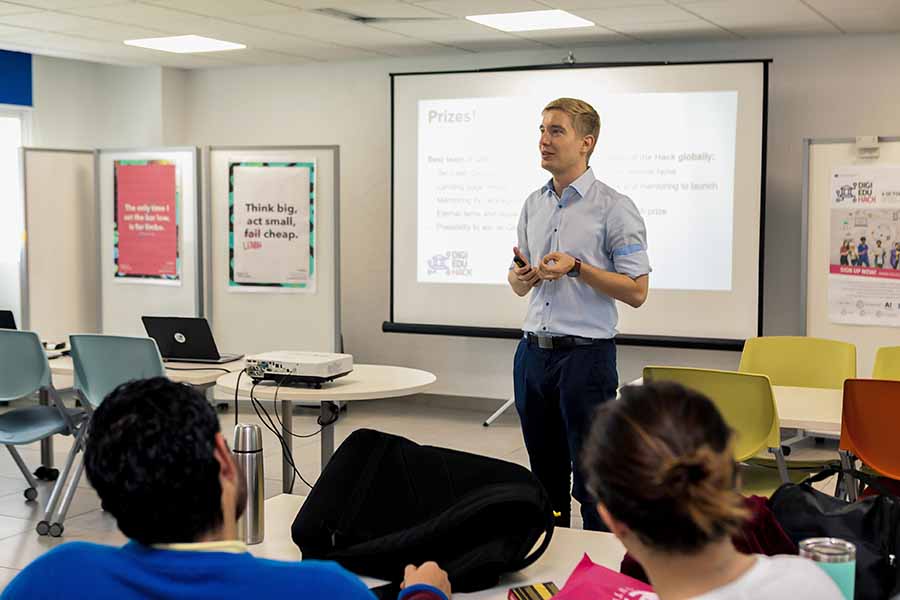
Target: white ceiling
[290,31]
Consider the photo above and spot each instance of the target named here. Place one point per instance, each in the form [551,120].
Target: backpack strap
[865,478]
[539,551]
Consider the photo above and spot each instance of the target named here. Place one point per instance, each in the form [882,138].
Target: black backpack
[872,524]
[384,502]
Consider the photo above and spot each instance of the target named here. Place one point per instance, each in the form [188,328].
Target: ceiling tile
[862,16]
[463,8]
[261,57]
[48,21]
[330,29]
[113,32]
[164,19]
[263,39]
[758,13]
[15,9]
[10,32]
[617,17]
[226,9]
[680,30]
[581,36]
[67,4]
[367,8]
[597,4]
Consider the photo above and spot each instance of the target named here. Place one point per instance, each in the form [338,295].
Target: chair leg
[782,465]
[56,523]
[50,508]
[850,482]
[32,482]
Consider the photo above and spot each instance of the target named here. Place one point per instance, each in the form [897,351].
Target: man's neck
[675,577]
[563,180]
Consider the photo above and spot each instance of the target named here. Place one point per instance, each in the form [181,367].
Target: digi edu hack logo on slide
[450,263]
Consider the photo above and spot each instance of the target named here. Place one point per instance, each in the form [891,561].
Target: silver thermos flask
[248,454]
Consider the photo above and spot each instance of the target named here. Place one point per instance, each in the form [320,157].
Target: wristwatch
[576,270]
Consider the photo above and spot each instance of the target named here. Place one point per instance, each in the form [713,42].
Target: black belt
[562,342]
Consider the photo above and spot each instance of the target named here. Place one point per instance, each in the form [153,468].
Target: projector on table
[293,367]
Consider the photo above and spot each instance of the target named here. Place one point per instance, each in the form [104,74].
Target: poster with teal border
[272,227]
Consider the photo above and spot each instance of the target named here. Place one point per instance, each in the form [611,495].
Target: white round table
[365,382]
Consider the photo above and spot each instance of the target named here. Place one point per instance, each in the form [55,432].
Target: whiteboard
[124,301]
[270,319]
[821,157]
[60,283]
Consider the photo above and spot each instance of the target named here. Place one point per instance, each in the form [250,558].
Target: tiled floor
[412,418]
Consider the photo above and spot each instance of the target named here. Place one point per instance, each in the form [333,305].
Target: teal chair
[102,363]
[24,370]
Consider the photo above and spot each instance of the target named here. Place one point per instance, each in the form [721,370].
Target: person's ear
[227,466]
[587,143]
[618,528]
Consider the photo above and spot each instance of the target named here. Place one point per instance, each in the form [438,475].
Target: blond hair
[584,118]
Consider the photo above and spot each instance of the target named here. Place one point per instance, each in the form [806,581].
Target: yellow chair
[800,361]
[887,363]
[746,403]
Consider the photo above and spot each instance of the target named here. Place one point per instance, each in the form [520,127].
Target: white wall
[80,104]
[820,87]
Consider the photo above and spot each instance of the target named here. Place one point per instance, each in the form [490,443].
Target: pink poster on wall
[146,219]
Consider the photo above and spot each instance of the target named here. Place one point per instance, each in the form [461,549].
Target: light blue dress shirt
[592,222]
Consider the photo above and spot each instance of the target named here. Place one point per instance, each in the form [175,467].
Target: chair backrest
[745,401]
[869,423]
[23,364]
[800,361]
[887,363]
[103,362]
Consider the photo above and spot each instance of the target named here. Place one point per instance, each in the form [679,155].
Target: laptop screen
[7,320]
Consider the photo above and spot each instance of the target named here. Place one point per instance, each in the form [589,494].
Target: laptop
[7,320]
[185,339]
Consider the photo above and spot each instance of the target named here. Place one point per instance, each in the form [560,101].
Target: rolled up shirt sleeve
[626,239]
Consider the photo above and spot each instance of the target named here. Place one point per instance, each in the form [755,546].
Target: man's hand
[528,276]
[556,265]
[430,574]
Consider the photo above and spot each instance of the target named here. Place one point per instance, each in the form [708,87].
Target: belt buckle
[545,342]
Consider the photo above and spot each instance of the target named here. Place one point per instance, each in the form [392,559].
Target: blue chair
[102,363]
[24,370]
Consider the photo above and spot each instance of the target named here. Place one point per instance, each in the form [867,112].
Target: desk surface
[566,549]
[201,374]
[816,410]
[366,382]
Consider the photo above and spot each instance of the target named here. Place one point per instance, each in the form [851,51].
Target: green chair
[102,363]
[24,370]
[746,403]
[800,361]
[887,363]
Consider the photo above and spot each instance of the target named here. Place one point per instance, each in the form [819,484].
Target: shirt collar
[580,185]
[228,546]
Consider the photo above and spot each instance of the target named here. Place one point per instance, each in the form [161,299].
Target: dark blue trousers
[557,392]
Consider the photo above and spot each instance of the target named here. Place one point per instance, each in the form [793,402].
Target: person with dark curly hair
[158,460]
[659,461]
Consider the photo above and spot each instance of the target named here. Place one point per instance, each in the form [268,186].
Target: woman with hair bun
[659,460]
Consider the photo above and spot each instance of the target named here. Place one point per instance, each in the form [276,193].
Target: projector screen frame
[696,343]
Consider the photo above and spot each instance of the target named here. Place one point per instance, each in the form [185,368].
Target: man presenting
[583,246]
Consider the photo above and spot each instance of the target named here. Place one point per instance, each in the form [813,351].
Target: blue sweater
[77,570]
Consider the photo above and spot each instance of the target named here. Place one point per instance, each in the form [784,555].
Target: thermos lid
[247,438]
[828,550]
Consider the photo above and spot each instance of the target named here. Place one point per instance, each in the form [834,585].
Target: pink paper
[590,581]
